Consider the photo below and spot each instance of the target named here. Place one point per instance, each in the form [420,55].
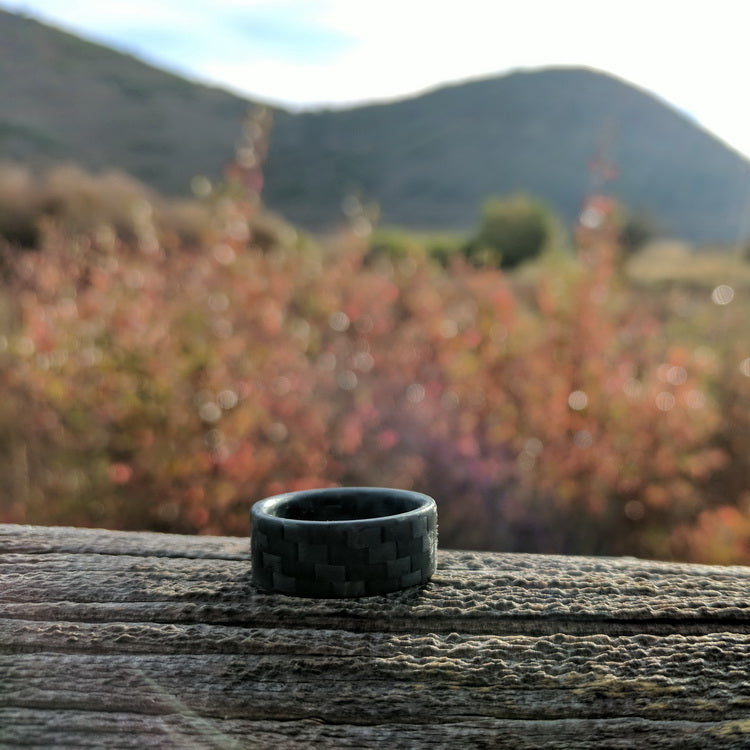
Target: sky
[304,54]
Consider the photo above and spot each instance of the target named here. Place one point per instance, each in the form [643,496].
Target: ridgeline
[427,161]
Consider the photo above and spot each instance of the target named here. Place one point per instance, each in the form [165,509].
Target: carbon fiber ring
[343,542]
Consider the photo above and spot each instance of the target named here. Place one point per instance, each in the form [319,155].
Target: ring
[343,542]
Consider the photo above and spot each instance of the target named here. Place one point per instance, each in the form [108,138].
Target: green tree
[512,230]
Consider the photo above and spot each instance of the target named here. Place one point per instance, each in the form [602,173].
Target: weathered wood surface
[113,639]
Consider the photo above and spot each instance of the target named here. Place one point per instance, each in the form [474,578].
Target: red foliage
[147,389]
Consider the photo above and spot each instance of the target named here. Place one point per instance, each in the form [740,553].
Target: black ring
[343,542]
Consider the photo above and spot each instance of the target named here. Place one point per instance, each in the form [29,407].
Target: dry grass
[670,262]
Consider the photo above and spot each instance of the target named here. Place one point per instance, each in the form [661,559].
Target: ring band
[343,542]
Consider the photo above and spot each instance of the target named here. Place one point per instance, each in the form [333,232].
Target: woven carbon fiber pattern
[344,558]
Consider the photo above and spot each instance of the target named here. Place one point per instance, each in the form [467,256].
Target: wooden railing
[115,639]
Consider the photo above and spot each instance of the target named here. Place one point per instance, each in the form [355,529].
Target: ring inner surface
[345,507]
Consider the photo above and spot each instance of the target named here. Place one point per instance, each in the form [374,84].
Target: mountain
[66,99]
[428,161]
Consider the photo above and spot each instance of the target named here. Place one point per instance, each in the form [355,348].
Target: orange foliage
[169,390]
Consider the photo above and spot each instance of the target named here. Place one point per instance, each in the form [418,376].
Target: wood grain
[131,640]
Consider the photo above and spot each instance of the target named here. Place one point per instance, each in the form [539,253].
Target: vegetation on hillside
[112,203]
[153,381]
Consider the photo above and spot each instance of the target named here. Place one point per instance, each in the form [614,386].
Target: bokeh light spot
[722,294]
[209,412]
[534,446]
[339,321]
[665,401]
[224,254]
[347,380]
[677,375]
[695,399]
[415,393]
[526,461]
[633,388]
[578,400]
[227,399]
[327,362]
[448,328]
[363,361]
[277,432]
[450,400]
[201,186]
[583,439]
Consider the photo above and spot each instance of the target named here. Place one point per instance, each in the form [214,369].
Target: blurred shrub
[111,203]
[512,230]
[146,387]
[19,207]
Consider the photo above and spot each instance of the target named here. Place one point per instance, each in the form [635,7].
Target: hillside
[66,99]
[431,160]
[428,161]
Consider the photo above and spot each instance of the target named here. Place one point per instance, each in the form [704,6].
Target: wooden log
[131,640]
